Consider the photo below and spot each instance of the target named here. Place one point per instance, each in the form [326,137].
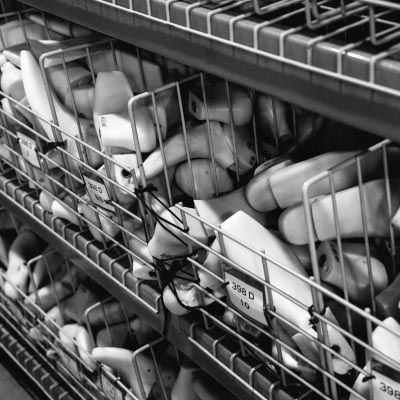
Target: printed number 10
[245,304]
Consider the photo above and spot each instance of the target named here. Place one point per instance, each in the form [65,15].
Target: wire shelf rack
[26,361]
[342,50]
[349,311]
[65,334]
[296,339]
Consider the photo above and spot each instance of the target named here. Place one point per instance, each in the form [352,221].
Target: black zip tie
[314,320]
[149,188]
[53,145]
[368,378]
[225,284]
[167,277]
[161,264]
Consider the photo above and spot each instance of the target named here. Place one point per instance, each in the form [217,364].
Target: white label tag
[70,364]
[28,149]
[110,390]
[246,298]
[98,192]
[387,381]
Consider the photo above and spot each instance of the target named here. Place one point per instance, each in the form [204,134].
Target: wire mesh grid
[62,171]
[351,34]
[286,358]
[40,184]
[342,307]
[63,162]
[65,323]
[38,315]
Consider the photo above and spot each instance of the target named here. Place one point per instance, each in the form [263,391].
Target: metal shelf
[215,352]
[85,253]
[211,349]
[236,45]
[11,342]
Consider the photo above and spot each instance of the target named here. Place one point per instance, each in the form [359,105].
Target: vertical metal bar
[254,128]
[148,222]
[183,123]
[340,253]
[320,332]
[228,96]
[389,205]
[276,128]
[365,230]
[368,357]
[275,331]
[141,70]
[159,135]
[81,150]
[209,136]
[159,377]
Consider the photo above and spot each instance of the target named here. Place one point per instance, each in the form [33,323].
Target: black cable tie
[368,378]
[225,284]
[53,145]
[149,189]
[311,310]
[314,320]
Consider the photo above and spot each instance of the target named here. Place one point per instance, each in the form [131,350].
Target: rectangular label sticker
[28,149]
[387,381]
[97,190]
[246,298]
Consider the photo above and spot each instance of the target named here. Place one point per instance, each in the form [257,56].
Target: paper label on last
[387,381]
[246,298]
[28,149]
[97,191]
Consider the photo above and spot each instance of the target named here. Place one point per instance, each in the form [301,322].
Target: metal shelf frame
[84,252]
[13,344]
[186,333]
[217,42]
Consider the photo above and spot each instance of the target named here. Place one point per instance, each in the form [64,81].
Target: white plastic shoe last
[273,115]
[203,179]
[83,97]
[198,144]
[129,63]
[218,105]
[112,92]
[355,269]
[13,32]
[11,81]
[121,360]
[247,230]
[385,340]
[292,222]
[38,100]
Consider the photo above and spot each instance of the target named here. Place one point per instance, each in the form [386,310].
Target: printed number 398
[389,390]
